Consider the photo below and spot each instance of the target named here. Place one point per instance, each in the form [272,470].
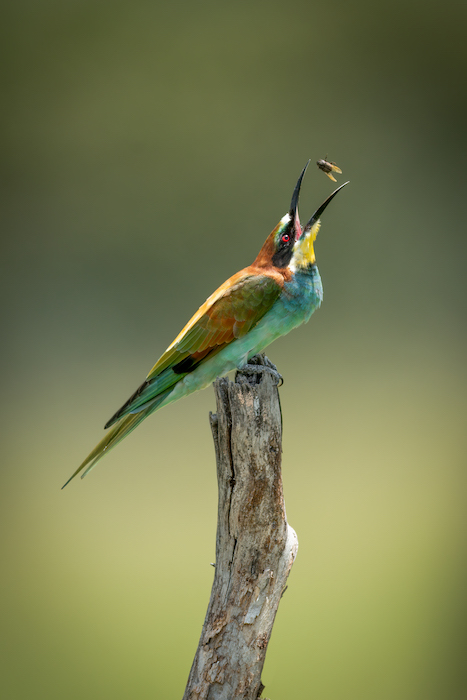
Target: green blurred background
[148,149]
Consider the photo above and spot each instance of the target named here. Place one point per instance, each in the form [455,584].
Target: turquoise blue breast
[304,293]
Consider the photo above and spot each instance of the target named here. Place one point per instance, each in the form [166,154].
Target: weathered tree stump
[255,547]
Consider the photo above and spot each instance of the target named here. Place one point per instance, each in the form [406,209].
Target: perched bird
[328,167]
[277,292]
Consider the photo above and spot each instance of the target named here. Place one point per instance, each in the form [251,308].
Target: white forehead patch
[285,219]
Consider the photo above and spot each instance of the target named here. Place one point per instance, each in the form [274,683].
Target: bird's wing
[230,313]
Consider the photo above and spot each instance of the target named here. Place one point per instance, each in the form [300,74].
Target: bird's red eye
[285,238]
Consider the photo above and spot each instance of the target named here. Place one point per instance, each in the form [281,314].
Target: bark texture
[255,547]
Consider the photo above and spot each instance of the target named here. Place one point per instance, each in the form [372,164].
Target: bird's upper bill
[279,245]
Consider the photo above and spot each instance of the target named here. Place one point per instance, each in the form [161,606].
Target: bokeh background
[148,148]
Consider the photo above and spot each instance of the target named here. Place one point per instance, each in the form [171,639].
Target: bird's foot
[253,370]
[256,366]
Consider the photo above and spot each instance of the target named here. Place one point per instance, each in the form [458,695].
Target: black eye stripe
[284,251]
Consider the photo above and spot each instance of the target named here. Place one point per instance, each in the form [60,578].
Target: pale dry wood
[255,547]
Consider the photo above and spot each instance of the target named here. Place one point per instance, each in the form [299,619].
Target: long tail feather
[119,430]
[112,438]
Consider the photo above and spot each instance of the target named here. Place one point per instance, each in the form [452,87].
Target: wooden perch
[255,547]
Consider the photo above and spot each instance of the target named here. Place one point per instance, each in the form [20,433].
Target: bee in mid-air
[328,167]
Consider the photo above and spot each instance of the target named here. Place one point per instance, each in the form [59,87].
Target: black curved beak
[296,192]
[319,211]
[294,223]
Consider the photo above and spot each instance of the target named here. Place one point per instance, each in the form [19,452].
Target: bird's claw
[259,364]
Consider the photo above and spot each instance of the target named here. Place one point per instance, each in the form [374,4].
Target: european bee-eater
[265,300]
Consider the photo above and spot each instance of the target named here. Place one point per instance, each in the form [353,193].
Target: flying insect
[328,167]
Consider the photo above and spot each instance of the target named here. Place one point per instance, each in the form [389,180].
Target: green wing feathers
[230,316]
